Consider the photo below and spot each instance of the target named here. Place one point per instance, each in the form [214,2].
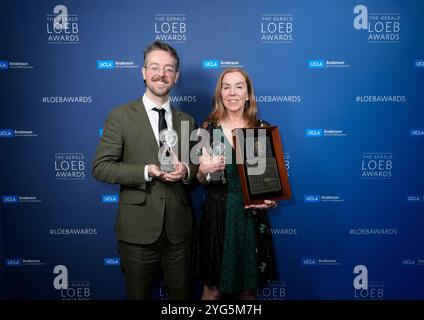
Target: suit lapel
[140,116]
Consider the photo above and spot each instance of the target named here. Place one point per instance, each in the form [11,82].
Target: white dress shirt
[154,115]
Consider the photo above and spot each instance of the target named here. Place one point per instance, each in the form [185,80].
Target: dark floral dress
[233,246]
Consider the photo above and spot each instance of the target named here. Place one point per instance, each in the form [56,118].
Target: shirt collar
[149,104]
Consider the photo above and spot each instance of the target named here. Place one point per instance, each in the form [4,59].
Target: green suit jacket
[126,146]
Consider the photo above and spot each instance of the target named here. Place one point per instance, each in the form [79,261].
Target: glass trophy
[166,155]
[217,150]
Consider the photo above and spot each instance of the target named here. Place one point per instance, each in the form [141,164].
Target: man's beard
[163,92]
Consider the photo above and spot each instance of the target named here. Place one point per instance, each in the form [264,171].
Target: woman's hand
[268,204]
[210,164]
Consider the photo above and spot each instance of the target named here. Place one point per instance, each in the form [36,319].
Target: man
[154,221]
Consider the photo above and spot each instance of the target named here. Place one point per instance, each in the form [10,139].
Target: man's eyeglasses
[168,70]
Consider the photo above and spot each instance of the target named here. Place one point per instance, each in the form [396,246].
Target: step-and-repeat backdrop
[343,81]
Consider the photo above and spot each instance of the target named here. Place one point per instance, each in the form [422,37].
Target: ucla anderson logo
[14,262]
[413,132]
[112,261]
[105,64]
[314,133]
[316,64]
[110,198]
[309,261]
[311,198]
[210,64]
[9,199]
[7,133]
[4,65]
[419,64]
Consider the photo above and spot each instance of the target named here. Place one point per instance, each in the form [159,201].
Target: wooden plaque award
[260,163]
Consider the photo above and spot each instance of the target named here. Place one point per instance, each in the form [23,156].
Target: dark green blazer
[126,146]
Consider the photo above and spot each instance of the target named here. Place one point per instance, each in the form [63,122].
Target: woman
[233,246]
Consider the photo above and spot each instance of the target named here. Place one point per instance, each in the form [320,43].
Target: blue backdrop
[343,80]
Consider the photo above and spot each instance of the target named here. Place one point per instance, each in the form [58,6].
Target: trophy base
[216,177]
[167,167]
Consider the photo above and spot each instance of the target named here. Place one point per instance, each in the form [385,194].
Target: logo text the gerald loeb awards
[62,27]
[70,290]
[381,27]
